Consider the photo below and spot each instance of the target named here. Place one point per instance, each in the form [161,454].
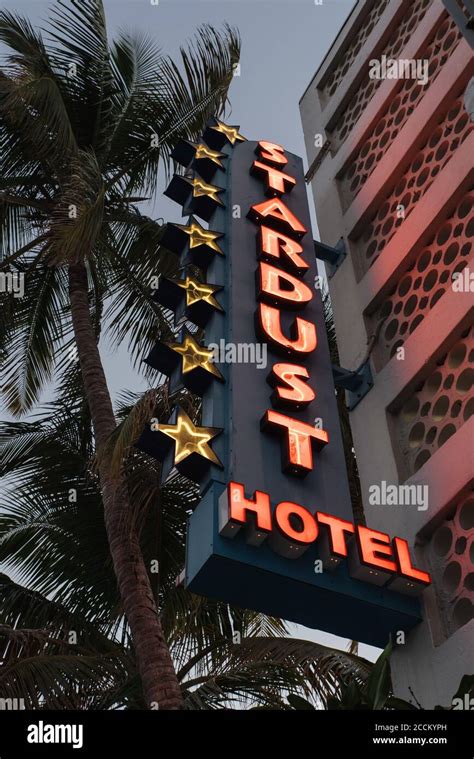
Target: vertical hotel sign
[274,528]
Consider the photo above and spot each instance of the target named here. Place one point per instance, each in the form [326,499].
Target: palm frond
[32,86]
[48,673]
[181,103]
[135,257]
[34,336]
[258,671]
[79,30]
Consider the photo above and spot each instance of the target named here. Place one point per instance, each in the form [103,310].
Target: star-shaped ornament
[197,298]
[194,195]
[190,439]
[203,198]
[203,243]
[204,152]
[199,236]
[218,134]
[199,156]
[231,133]
[199,291]
[195,356]
[202,189]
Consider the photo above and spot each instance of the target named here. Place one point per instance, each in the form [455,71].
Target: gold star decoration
[189,439]
[202,189]
[231,132]
[202,151]
[199,236]
[196,291]
[194,356]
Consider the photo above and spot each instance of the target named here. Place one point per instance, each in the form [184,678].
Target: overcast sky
[283,43]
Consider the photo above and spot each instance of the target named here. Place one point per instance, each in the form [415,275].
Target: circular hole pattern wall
[452,129]
[402,103]
[340,71]
[399,39]
[439,407]
[429,277]
[450,554]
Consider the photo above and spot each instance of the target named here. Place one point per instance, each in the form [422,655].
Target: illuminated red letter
[280,288]
[237,510]
[309,531]
[372,543]
[295,393]
[271,152]
[275,180]
[303,334]
[273,244]
[276,210]
[406,567]
[300,437]
[337,528]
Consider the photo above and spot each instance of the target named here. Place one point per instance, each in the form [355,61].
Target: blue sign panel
[274,529]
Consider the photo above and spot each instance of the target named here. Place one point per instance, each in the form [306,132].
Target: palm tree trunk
[160,684]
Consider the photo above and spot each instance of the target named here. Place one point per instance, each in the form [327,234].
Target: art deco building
[391,169]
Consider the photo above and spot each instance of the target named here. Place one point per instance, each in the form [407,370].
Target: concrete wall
[390,165]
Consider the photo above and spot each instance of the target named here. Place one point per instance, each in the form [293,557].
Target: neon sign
[274,529]
[292,528]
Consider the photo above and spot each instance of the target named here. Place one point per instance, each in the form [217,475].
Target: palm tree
[84,125]
[64,641]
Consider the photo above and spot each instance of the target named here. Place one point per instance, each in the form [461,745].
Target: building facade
[390,146]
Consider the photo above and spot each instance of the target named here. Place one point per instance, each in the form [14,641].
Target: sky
[283,43]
